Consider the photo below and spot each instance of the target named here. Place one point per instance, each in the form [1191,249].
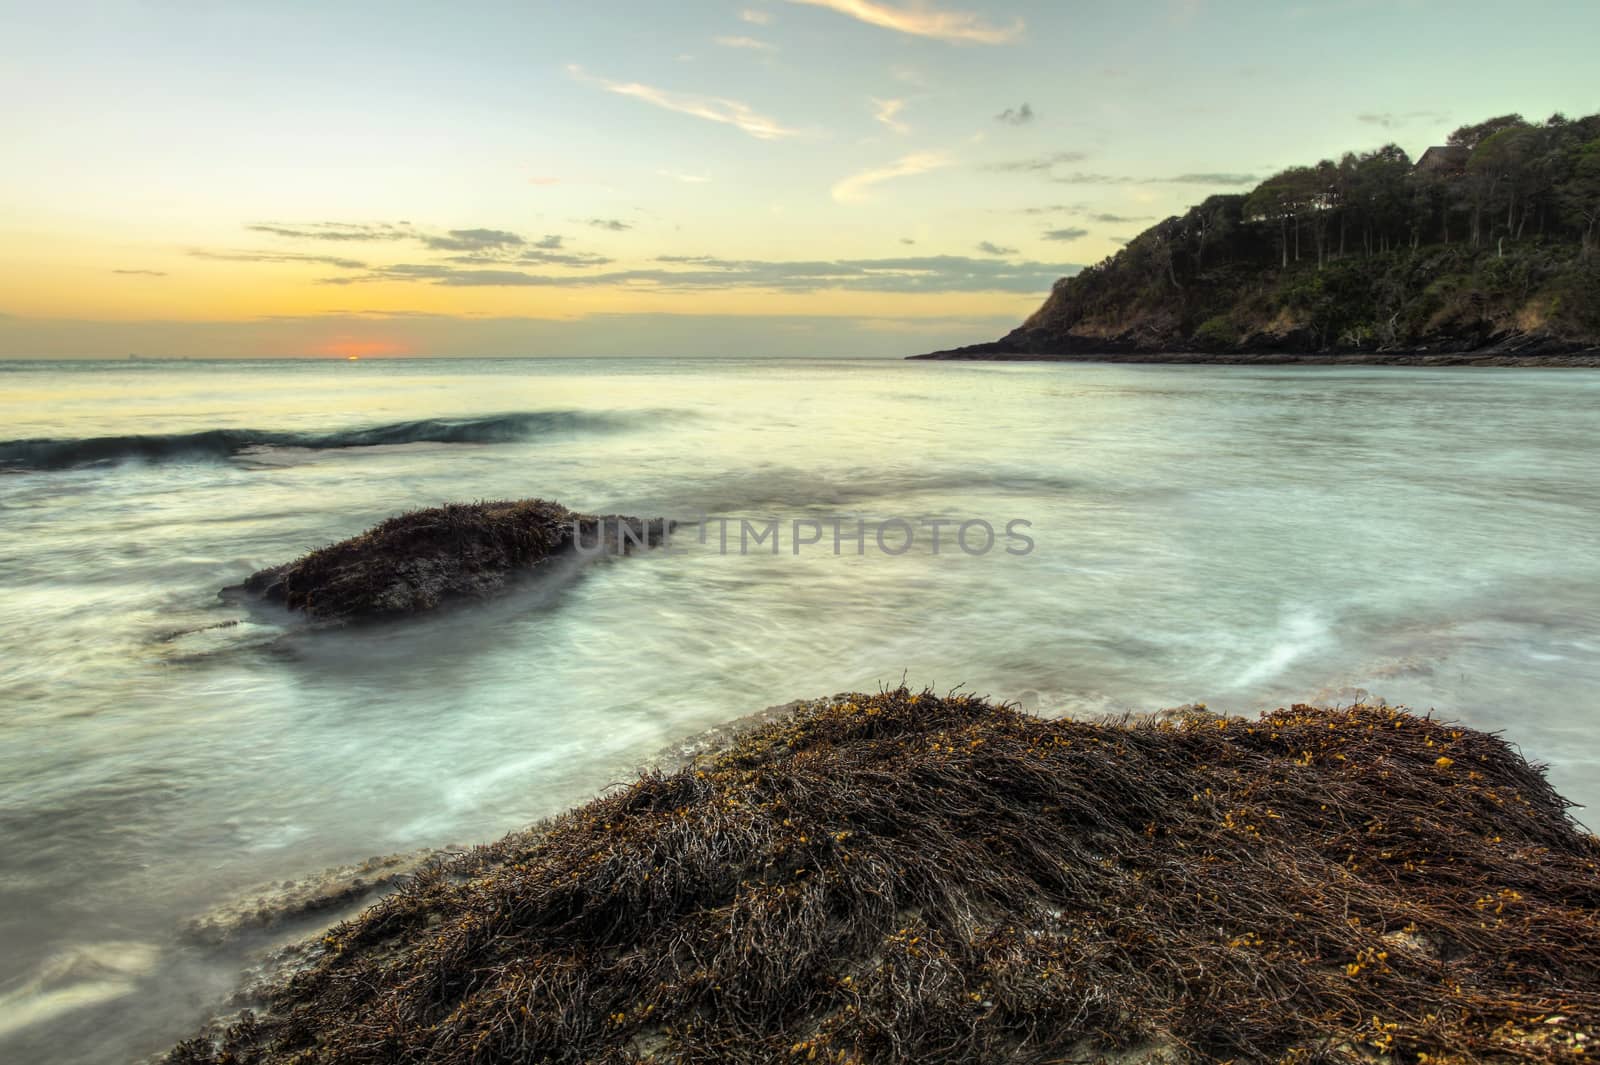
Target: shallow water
[1240,536]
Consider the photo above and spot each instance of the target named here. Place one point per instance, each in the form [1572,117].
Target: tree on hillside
[1297,199]
[1379,196]
[1214,221]
[1474,135]
[1501,167]
[1273,201]
[1579,196]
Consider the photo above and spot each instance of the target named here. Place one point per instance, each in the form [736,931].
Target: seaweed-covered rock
[904,878]
[420,560]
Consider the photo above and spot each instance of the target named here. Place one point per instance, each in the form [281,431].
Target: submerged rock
[420,560]
[905,878]
[268,906]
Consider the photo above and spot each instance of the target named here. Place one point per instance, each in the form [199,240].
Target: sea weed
[416,561]
[903,877]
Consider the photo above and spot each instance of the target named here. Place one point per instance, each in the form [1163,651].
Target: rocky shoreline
[1274,350]
[901,877]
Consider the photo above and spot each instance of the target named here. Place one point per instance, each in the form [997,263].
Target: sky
[761,177]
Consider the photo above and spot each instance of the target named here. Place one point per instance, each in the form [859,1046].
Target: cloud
[686,273]
[756,16]
[1016,116]
[988,247]
[1038,163]
[615,225]
[533,258]
[1069,234]
[544,180]
[907,240]
[1391,120]
[954,26]
[711,108]
[1119,219]
[141,273]
[853,189]
[743,42]
[479,240]
[278,257]
[688,179]
[475,242]
[336,231]
[1081,178]
[1210,179]
[886,110]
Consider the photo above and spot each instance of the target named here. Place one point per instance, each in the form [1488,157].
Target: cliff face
[1494,251]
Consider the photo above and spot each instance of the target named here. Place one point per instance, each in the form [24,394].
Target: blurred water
[1244,537]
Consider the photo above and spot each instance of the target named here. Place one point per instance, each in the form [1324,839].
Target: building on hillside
[1446,160]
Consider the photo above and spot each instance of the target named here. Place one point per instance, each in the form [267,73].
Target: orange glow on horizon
[352,350]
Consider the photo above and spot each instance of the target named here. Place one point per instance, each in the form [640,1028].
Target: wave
[53,453]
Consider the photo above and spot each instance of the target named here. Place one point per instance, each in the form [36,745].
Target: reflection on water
[1238,536]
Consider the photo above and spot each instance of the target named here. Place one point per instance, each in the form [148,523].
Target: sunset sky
[794,177]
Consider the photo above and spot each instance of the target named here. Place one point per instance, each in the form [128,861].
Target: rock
[421,560]
[899,877]
[271,905]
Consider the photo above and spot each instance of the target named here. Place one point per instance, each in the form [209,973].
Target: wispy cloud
[534,257]
[1016,116]
[921,21]
[480,240]
[756,16]
[1119,219]
[685,273]
[711,108]
[1209,178]
[743,42]
[1038,163]
[615,225]
[141,273]
[688,179]
[1218,179]
[1067,235]
[989,247]
[278,257]
[336,231]
[1391,120]
[886,111]
[854,188]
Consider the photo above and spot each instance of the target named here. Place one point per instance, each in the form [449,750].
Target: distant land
[1484,251]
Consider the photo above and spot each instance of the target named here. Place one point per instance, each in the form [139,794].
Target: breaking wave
[51,453]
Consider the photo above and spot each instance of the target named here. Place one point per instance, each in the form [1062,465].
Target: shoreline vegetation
[903,877]
[1485,251]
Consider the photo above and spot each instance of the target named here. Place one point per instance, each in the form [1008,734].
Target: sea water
[1245,537]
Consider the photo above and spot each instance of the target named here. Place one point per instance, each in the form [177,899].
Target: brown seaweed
[423,559]
[907,878]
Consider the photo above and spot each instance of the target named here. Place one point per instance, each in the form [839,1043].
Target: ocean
[1243,537]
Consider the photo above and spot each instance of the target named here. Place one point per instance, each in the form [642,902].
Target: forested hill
[1489,244]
